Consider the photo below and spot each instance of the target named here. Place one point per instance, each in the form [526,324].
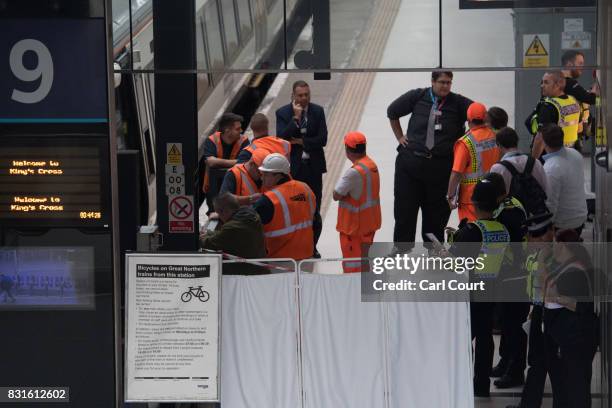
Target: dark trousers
[513,342]
[570,345]
[420,183]
[305,172]
[533,390]
[481,315]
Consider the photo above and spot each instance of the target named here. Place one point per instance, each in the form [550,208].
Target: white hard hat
[275,163]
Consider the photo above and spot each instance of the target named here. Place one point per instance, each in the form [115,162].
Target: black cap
[485,195]
[538,224]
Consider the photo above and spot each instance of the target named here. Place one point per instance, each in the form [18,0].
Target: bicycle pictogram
[196,291]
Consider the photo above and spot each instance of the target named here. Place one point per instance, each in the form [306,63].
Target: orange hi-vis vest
[216,139]
[289,233]
[484,153]
[362,216]
[245,185]
[272,144]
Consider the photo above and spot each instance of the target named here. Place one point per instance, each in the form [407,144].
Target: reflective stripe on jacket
[216,139]
[245,185]
[289,234]
[362,216]
[534,289]
[484,153]
[569,117]
[495,240]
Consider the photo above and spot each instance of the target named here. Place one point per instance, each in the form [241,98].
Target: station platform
[359,100]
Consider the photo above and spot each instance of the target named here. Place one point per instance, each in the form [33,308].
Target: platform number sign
[42,72]
[53,71]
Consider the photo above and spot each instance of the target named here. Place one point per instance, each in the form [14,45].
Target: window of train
[212,31]
[274,19]
[229,28]
[144,122]
[201,58]
[245,19]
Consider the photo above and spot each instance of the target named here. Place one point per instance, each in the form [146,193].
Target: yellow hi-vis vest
[478,149]
[509,203]
[569,117]
[495,240]
[534,291]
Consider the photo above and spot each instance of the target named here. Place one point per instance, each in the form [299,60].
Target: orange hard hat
[259,155]
[352,139]
[476,111]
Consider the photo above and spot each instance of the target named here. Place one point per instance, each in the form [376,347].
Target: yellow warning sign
[535,48]
[174,153]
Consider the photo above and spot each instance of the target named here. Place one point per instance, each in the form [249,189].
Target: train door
[143,92]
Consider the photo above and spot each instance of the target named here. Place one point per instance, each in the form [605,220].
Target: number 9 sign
[42,71]
[53,71]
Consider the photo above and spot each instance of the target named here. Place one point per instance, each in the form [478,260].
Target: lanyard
[435,102]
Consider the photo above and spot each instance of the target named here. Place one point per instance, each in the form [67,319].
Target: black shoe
[513,406]
[499,370]
[507,381]
[316,254]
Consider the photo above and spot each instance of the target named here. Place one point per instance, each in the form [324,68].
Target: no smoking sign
[180,214]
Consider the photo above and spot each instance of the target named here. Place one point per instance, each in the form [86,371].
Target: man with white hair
[286,209]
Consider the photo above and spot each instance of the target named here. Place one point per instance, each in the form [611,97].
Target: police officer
[555,107]
[540,235]
[425,155]
[573,61]
[513,305]
[494,238]
[570,323]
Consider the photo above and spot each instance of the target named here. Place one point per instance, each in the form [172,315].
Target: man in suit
[303,124]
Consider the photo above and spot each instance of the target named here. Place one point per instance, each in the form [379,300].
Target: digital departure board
[53,181]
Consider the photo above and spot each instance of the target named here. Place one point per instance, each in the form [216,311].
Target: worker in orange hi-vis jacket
[474,155]
[358,192]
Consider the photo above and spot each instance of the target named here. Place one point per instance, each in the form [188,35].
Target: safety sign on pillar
[535,50]
[180,206]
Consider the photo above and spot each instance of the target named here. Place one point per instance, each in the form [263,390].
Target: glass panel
[469,40]
[522,37]
[142,33]
[363,34]
[244,17]
[229,28]
[213,36]
[201,50]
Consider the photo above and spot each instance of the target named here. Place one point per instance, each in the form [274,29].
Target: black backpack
[526,188]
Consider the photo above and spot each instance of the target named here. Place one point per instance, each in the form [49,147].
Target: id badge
[303,131]
[438,126]
[438,113]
